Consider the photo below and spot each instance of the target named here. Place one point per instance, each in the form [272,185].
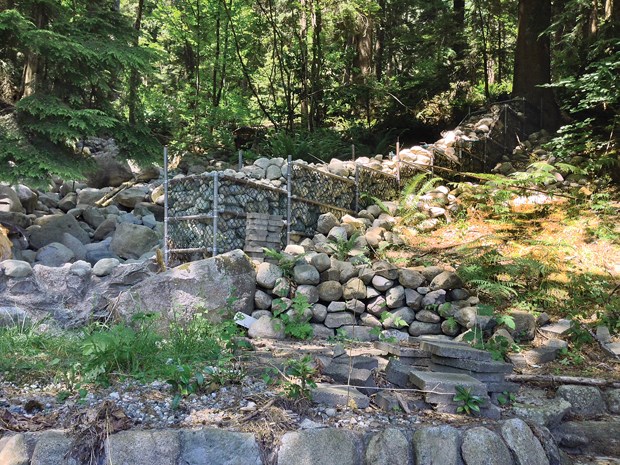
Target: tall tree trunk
[533,60]
[380,43]
[485,50]
[30,75]
[363,62]
[316,92]
[303,71]
[460,44]
[134,79]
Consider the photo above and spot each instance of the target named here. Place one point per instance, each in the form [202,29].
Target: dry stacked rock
[357,298]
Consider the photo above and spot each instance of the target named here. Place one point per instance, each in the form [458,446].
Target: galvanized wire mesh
[207,213]
[373,184]
[325,188]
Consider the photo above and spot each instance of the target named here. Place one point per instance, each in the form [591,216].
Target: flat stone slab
[452,350]
[366,363]
[332,396]
[484,377]
[358,377]
[397,373]
[540,355]
[400,351]
[556,329]
[614,348]
[479,366]
[445,383]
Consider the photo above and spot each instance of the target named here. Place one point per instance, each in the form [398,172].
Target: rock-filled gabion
[352,296]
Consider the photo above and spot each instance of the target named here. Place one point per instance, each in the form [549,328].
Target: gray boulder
[51,228]
[437,445]
[75,245]
[354,289]
[27,197]
[482,446]
[105,266]
[411,279]
[326,222]
[267,274]
[388,447]
[267,327]
[54,254]
[526,448]
[330,291]
[219,447]
[9,201]
[16,268]
[306,274]
[320,447]
[90,196]
[446,280]
[202,285]
[132,240]
[133,447]
[585,401]
[131,197]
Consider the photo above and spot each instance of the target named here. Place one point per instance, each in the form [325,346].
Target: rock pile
[348,295]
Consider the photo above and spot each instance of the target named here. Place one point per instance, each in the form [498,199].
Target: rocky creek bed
[379,422]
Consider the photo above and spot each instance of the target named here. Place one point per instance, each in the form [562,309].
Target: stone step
[333,396]
[455,351]
[367,363]
[483,377]
[358,377]
[400,351]
[480,366]
[445,383]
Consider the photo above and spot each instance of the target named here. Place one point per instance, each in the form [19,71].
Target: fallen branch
[552,380]
[107,199]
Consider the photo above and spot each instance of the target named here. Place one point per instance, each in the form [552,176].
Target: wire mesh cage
[374,184]
[325,188]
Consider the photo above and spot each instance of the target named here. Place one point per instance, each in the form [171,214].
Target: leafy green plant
[569,357]
[506,398]
[296,324]
[285,261]
[299,379]
[342,247]
[469,403]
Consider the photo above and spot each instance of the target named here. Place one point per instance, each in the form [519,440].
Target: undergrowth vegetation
[192,356]
[523,246]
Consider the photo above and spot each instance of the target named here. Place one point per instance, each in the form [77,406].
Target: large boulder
[202,285]
[9,201]
[109,172]
[133,240]
[51,228]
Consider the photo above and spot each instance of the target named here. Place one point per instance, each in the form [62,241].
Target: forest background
[306,78]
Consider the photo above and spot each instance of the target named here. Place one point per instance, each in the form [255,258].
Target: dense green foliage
[313,75]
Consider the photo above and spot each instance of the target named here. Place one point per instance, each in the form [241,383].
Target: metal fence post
[357,188]
[353,152]
[398,162]
[166,251]
[506,128]
[289,195]
[216,208]
[240,159]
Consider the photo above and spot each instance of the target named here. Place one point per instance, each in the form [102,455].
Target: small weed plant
[469,403]
[296,321]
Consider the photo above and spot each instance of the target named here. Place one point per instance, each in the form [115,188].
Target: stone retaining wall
[506,443]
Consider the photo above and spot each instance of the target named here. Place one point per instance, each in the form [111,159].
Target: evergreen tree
[69,63]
